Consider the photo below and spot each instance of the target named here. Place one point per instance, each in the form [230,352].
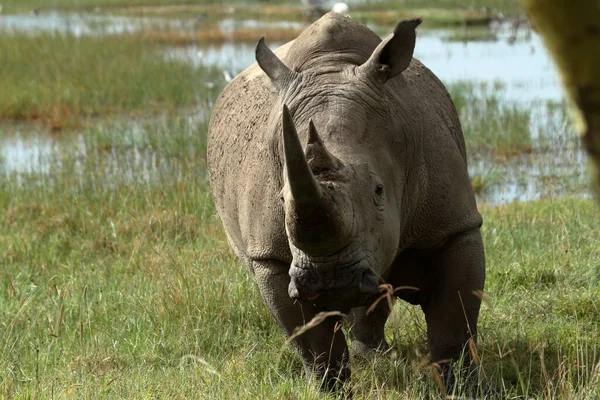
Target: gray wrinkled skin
[362,182]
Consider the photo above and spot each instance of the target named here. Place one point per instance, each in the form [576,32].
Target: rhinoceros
[337,164]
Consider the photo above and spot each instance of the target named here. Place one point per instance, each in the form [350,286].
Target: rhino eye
[379,190]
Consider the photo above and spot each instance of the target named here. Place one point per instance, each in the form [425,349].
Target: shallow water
[25,154]
[521,66]
[557,172]
[515,57]
[514,60]
[554,174]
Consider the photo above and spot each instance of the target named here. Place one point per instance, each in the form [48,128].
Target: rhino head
[342,190]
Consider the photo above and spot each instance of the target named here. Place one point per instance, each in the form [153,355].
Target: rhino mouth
[332,285]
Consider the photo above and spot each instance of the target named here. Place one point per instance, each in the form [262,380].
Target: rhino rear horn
[394,53]
[319,158]
[303,185]
[275,69]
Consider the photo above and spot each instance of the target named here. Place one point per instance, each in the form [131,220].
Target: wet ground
[509,55]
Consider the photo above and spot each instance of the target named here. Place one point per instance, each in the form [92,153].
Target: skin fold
[337,163]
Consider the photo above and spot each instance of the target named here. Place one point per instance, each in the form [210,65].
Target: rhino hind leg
[367,329]
[323,348]
[452,304]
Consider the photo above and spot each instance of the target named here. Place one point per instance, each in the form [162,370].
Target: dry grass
[216,35]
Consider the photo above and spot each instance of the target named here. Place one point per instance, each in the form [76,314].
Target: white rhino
[338,164]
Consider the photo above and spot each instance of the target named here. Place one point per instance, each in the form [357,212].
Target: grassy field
[28,5]
[61,80]
[502,5]
[117,282]
[435,12]
[491,124]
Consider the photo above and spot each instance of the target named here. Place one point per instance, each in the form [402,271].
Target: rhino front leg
[452,305]
[323,348]
[367,329]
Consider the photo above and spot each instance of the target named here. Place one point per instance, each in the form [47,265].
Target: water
[229,57]
[513,59]
[25,153]
[522,67]
[516,58]
[553,174]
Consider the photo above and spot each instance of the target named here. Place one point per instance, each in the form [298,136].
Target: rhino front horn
[302,183]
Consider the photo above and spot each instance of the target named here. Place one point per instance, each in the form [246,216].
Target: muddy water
[514,59]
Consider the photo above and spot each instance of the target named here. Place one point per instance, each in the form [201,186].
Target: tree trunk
[571,32]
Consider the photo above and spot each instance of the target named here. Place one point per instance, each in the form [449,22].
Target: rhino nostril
[369,284]
[293,291]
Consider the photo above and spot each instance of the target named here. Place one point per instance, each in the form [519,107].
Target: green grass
[502,5]
[472,34]
[28,5]
[510,7]
[490,123]
[117,282]
[60,80]
[382,12]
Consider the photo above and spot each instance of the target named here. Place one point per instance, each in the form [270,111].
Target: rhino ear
[394,53]
[278,73]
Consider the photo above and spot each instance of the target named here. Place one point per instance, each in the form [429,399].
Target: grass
[117,282]
[509,7]
[61,80]
[472,34]
[435,12]
[491,124]
[28,5]
[215,35]
[432,17]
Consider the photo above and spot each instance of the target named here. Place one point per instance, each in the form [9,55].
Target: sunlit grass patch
[61,80]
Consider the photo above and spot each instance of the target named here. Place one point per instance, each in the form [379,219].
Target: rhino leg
[451,307]
[366,330]
[323,348]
